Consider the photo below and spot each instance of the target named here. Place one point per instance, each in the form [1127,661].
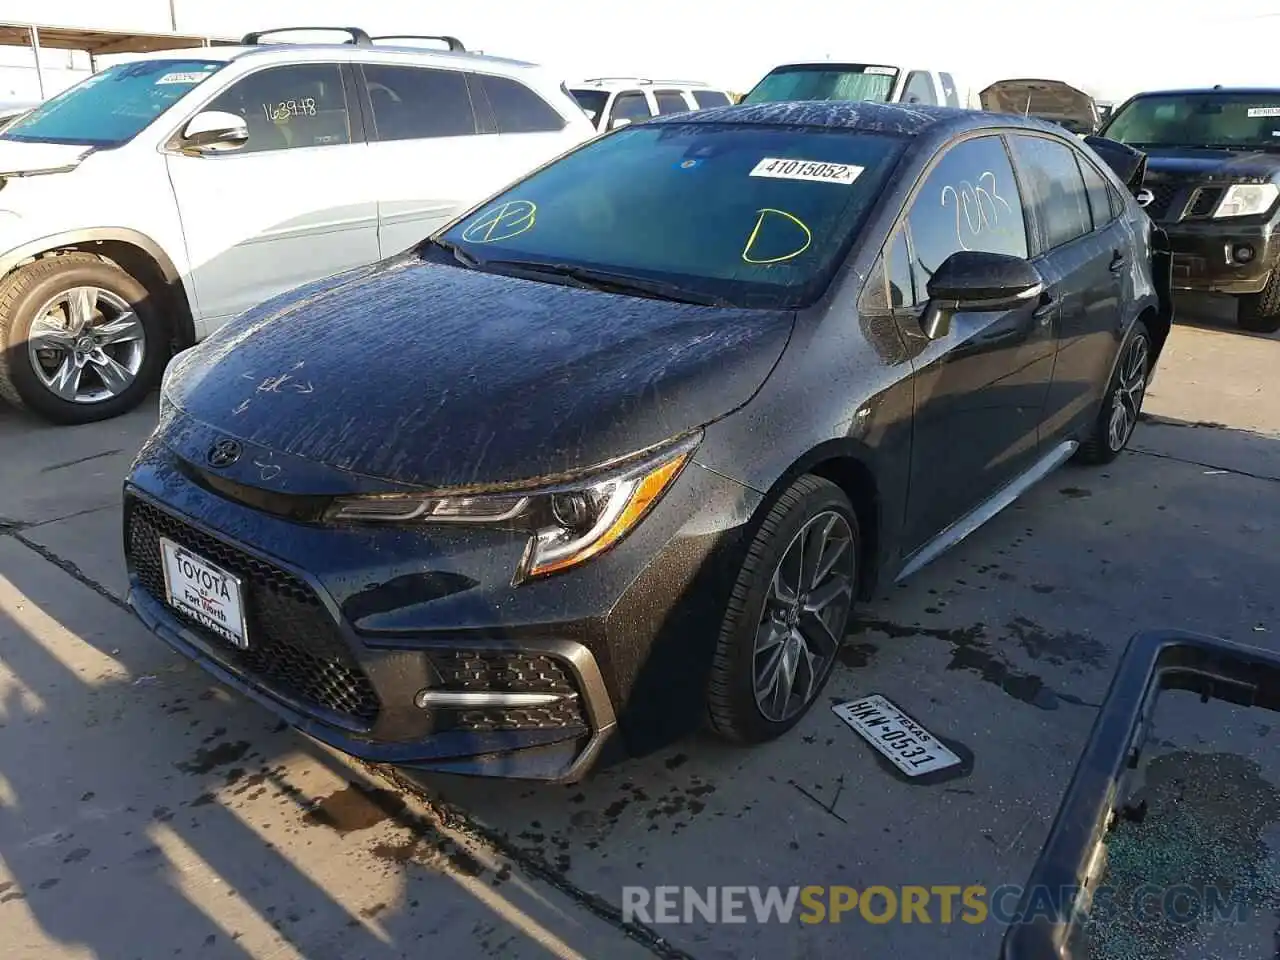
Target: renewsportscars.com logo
[938,904]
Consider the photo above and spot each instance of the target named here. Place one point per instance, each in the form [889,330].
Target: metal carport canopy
[96,42]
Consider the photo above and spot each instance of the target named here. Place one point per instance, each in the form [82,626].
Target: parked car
[1213,180]
[611,102]
[879,83]
[147,205]
[619,448]
[1050,100]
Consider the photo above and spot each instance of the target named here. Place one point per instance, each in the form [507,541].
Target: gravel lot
[145,811]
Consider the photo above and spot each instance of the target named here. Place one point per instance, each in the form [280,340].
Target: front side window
[919,89]
[113,106]
[517,109]
[825,82]
[670,101]
[949,89]
[969,201]
[592,102]
[289,107]
[630,106]
[705,99]
[748,215]
[1057,196]
[1222,119]
[416,103]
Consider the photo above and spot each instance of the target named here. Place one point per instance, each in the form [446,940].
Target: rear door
[980,389]
[630,105]
[1083,249]
[294,204]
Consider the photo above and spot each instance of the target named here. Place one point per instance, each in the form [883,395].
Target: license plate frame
[204,591]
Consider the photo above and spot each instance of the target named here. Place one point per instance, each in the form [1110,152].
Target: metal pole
[35,50]
[173,16]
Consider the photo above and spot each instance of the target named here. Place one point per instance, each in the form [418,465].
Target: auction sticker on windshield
[205,592]
[910,747]
[1264,111]
[815,170]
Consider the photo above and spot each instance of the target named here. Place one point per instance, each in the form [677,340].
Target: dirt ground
[147,812]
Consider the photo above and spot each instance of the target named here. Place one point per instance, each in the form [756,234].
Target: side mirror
[971,280]
[618,122]
[214,131]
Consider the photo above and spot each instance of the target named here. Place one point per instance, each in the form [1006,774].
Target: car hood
[437,376]
[19,159]
[1235,166]
[1046,99]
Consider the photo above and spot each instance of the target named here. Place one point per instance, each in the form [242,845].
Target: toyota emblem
[224,453]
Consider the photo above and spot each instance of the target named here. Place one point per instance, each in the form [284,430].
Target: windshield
[1220,119]
[746,215]
[591,101]
[113,106]
[825,82]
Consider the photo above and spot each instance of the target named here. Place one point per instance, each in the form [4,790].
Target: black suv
[1213,182]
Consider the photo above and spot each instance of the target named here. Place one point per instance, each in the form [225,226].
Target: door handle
[1048,306]
[1118,260]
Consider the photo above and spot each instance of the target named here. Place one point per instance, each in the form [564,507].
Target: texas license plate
[910,747]
[205,592]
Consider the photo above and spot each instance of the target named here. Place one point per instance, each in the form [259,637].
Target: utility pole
[173,16]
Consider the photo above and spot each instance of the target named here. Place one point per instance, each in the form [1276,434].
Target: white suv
[612,102]
[150,203]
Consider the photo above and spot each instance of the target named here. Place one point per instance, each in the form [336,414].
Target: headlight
[1247,199]
[568,523]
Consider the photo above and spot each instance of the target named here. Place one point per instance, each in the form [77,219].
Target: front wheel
[787,614]
[80,339]
[1260,312]
[1122,403]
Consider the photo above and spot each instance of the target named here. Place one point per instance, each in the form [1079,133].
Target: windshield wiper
[464,258]
[603,280]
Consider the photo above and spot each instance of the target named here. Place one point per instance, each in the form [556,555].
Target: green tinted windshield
[825,82]
[1218,119]
[113,106]
[749,215]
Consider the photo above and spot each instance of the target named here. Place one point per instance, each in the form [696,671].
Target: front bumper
[349,625]
[1203,259]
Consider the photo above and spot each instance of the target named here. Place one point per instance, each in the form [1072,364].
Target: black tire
[25,291]
[733,708]
[1260,312]
[1101,445]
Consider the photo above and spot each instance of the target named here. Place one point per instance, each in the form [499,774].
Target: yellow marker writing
[502,222]
[760,218]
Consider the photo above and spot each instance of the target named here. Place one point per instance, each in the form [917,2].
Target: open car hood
[1047,99]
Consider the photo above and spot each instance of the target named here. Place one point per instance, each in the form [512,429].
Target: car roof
[860,115]
[1199,91]
[342,51]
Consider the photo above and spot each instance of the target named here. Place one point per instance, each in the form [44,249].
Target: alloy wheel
[86,345]
[1126,402]
[806,610]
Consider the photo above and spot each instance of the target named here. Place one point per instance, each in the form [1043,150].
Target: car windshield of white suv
[113,106]
[825,82]
[716,213]
[1226,120]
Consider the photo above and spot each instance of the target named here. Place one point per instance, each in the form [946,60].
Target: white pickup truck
[882,83]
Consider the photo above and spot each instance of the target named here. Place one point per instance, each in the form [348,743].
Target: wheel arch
[136,254]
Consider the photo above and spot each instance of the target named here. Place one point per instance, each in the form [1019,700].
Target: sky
[1110,49]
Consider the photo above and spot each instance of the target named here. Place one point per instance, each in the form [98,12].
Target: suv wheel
[787,614]
[80,339]
[1260,312]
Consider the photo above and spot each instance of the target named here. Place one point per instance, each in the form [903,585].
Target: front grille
[508,672]
[1205,201]
[294,646]
[1163,194]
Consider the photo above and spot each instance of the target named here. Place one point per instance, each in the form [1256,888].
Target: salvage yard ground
[145,811]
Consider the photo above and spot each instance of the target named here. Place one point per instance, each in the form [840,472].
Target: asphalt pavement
[145,811]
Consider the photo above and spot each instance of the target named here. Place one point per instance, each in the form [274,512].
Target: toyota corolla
[618,450]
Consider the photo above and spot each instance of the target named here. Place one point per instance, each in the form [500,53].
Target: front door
[980,389]
[292,205]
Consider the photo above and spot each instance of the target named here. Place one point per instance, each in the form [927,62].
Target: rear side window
[1057,196]
[670,101]
[630,106]
[1100,203]
[517,109]
[416,103]
[705,99]
[919,89]
[969,201]
[949,89]
[288,107]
